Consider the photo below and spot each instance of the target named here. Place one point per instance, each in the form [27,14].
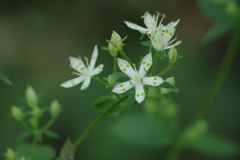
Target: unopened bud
[173,55]
[116,44]
[31,97]
[112,80]
[10,154]
[16,113]
[36,112]
[22,158]
[55,108]
[171,81]
[231,8]
[34,122]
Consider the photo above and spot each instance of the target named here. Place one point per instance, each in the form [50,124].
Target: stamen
[145,14]
[158,13]
[79,57]
[134,65]
[83,68]
[130,82]
[164,15]
[73,73]
[86,59]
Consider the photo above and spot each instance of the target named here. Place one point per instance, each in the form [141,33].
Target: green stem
[175,152]
[166,69]
[49,124]
[222,74]
[100,81]
[154,62]
[125,57]
[26,125]
[155,96]
[114,64]
[34,149]
[150,49]
[95,122]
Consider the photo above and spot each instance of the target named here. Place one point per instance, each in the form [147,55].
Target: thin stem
[222,74]
[125,57]
[175,152]
[95,122]
[34,149]
[100,81]
[154,62]
[26,125]
[150,49]
[114,64]
[166,69]
[155,96]
[49,124]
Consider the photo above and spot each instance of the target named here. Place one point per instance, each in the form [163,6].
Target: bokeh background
[37,37]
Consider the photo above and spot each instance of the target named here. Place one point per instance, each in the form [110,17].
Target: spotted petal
[123,87]
[145,65]
[72,82]
[139,93]
[86,83]
[97,70]
[136,27]
[168,33]
[126,67]
[148,20]
[94,58]
[76,64]
[152,81]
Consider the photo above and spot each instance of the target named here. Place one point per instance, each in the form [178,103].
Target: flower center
[137,79]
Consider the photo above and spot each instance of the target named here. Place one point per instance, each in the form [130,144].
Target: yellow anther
[164,15]
[145,14]
[73,73]
[86,59]
[158,13]
[145,69]
[83,68]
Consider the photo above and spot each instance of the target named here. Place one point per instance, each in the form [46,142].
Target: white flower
[85,73]
[159,34]
[137,78]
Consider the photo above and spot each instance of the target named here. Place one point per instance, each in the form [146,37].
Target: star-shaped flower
[85,73]
[138,78]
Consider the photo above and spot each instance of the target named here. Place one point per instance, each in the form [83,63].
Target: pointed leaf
[161,54]
[124,38]
[105,48]
[147,43]
[130,101]
[169,86]
[167,96]
[24,135]
[5,79]
[51,134]
[142,35]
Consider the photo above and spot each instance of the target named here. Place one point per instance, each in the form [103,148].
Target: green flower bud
[55,108]
[231,8]
[173,55]
[116,44]
[34,122]
[16,113]
[171,81]
[36,112]
[22,158]
[31,97]
[10,154]
[112,80]
[190,135]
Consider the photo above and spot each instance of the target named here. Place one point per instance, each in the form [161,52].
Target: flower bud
[112,80]
[16,113]
[171,81]
[34,122]
[31,97]
[22,158]
[231,8]
[192,133]
[10,154]
[116,44]
[173,55]
[36,112]
[55,108]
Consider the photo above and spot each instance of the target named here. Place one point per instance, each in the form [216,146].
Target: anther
[86,59]
[73,73]
[83,68]
[164,15]
[158,13]
[145,14]
[79,57]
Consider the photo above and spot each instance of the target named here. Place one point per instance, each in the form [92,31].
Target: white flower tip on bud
[16,113]
[171,81]
[55,108]
[10,154]
[116,44]
[173,55]
[31,97]
[36,112]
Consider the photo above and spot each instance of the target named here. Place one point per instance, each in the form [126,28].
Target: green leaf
[38,136]
[105,48]
[215,145]
[119,74]
[169,86]
[162,54]
[142,35]
[67,151]
[24,135]
[124,38]
[167,96]
[147,43]
[130,101]
[51,134]
[5,79]
[104,103]
[42,152]
[141,130]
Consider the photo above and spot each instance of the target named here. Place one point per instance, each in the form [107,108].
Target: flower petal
[94,58]
[139,93]
[150,22]
[72,82]
[145,65]
[126,68]
[176,22]
[136,27]
[168,33]
[97,70]
[86,83]
[152,81]
[174,45]
[123,87]
[76,64]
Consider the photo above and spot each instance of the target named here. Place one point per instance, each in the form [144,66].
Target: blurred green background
[37,37]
